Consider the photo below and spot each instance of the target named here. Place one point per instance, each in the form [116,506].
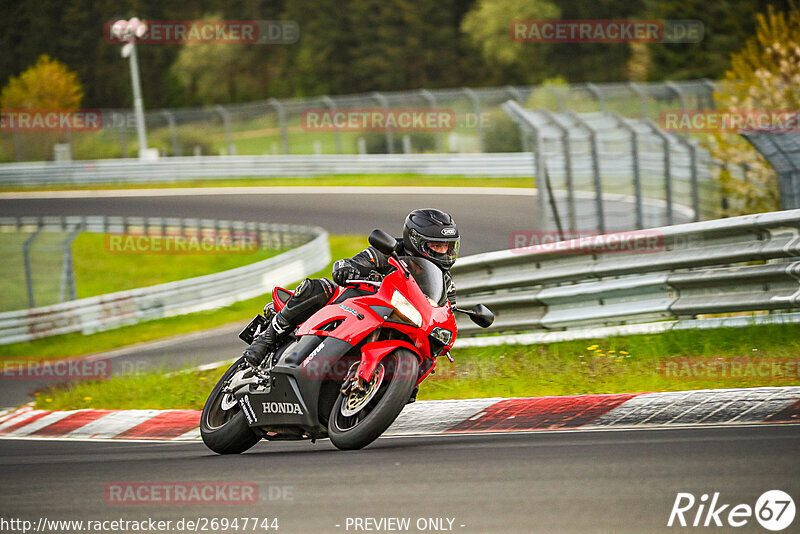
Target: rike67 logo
[774,510]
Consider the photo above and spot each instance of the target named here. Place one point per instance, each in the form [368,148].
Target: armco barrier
[104,312]
[740,264]
[177,169]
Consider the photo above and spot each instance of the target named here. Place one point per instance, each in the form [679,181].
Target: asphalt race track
[610,481]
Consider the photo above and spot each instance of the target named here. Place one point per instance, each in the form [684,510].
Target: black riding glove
[343,271]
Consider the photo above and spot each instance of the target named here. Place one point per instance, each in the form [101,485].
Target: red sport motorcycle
[348,371]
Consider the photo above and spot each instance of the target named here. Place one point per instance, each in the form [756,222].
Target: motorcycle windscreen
[429,278]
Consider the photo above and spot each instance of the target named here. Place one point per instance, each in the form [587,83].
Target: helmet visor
[442,250]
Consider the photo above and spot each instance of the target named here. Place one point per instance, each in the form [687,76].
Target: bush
[504,135]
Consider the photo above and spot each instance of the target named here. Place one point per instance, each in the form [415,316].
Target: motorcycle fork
[353,383]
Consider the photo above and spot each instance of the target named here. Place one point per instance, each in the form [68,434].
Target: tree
[727,23]
[486,27]
[764,75]
[48,84]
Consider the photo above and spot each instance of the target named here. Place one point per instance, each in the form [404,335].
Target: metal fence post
[566,150]
[711,88]
[515,93]
[637,177]
[667,168]
[598,185]
[19,151]
[517,114]
[26,258]
[476,106]
[226,120]
[68,290]
[678,91]
[431,100]
[281,112]
[598,95]
[389,134]
[557,94]
[693,169]
[642,98]
[173,133]
[336,133]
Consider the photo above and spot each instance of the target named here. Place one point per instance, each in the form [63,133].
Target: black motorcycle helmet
[432,234]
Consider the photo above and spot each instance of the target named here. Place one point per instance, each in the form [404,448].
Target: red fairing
[359,320]
[280,296]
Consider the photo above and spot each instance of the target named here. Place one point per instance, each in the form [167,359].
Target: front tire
[359,430]
[225,431]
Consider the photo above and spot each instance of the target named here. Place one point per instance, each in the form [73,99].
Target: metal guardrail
[112,310]
[220,167]
[740,264]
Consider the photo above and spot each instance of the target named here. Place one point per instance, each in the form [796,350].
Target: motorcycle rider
[427,233]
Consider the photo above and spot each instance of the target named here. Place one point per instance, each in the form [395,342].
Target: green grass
[507,371]
[77,344]
[99,269]
[371,180]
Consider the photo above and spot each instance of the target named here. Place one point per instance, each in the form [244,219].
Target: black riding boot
[267,341]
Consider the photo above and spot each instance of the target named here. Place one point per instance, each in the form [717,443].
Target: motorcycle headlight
[405,309]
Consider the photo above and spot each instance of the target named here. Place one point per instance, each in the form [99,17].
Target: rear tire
[225,431]
[358,431]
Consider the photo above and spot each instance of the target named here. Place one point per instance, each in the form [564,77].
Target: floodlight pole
[138,105]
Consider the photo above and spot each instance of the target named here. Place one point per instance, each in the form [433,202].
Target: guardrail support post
[226,120]
[336,133]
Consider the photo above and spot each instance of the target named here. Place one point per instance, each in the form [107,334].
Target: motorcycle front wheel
[225,431]
[360,418]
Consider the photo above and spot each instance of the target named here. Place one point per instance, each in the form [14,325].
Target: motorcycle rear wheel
[225,431]
[361,429]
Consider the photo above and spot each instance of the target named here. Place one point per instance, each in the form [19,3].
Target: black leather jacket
[370,259]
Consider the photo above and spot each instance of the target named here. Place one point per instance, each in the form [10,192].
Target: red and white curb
[636,410]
